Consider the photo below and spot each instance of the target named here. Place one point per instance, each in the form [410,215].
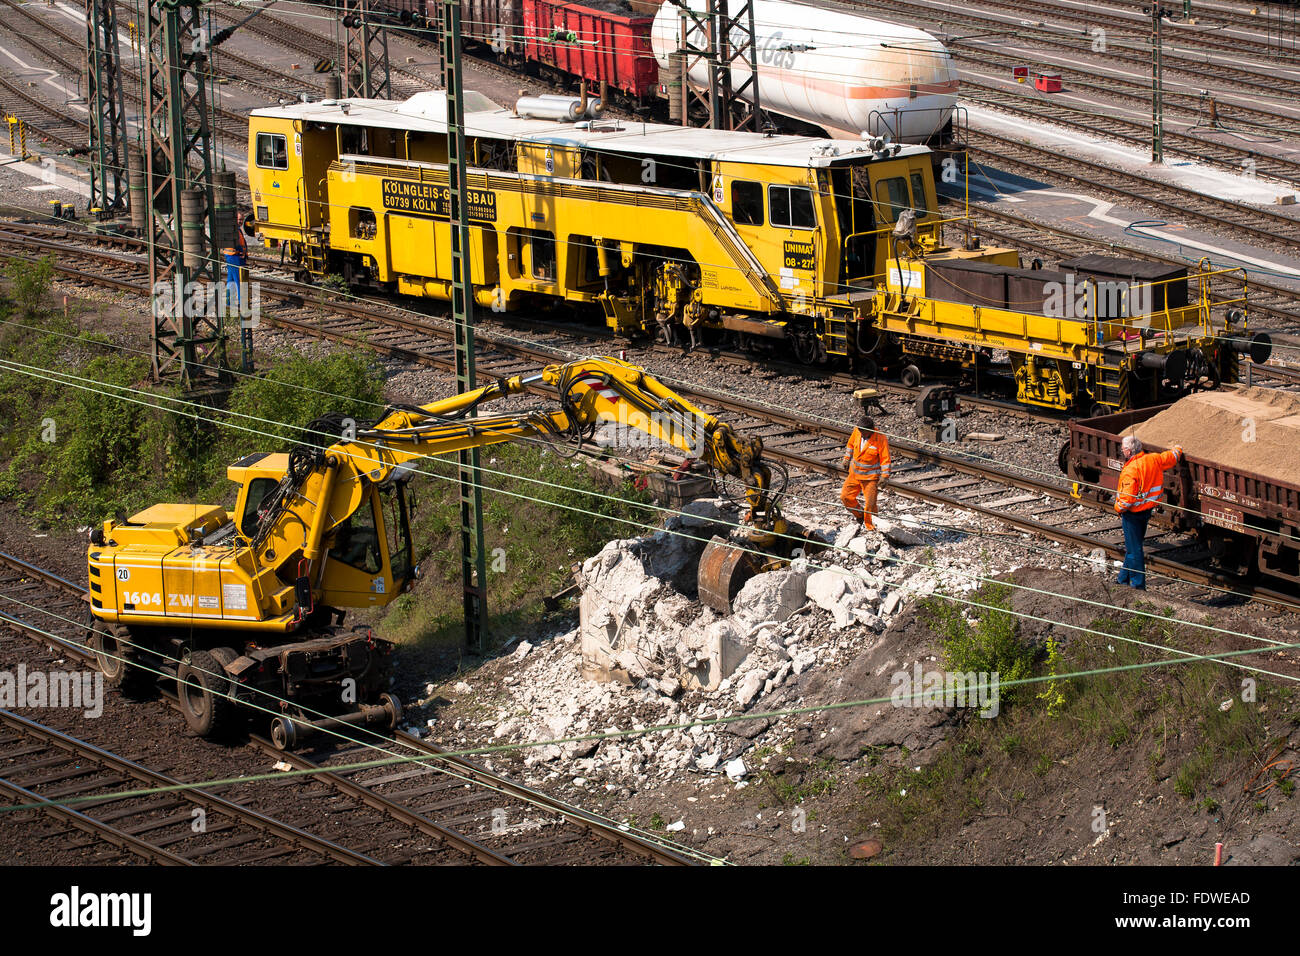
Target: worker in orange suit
[1141,487]
[867,458]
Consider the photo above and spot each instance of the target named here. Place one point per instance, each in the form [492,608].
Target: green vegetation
[29,285]
[792,782]
[1174,718]
[532,544]
[115,443]
[991,645]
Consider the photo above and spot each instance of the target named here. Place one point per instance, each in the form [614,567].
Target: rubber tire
[199,691]
[117,659]
[239,718]
[910,376]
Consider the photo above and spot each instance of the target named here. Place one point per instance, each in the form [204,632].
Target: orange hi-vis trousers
[859,496]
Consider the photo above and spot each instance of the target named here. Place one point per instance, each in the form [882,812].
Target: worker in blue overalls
[236,256]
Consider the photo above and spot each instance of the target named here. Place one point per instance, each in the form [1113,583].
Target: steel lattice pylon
[723,40]
[473,549]
[188,343]
[365,53]
[108,134]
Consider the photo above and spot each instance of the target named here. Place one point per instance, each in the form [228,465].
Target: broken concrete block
[824,588]
[841,592]
[736,769]
[708,761]
[846,534]
[750,687]
[771,596]
[668,686]
[891,603]
[716,653]
[903,538]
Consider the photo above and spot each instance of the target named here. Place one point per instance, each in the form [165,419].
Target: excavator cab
[368,554]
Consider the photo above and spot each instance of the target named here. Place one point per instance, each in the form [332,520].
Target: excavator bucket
[724,569]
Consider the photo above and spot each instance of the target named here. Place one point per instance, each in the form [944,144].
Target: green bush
[295,392]
[30,284]
[991,645]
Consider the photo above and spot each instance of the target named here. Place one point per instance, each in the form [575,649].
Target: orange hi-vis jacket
[1141,483]
[868,457]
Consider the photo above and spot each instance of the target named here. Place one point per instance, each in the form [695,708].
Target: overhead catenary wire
[802,497]
[935,447]
[1108,635]
[127,393]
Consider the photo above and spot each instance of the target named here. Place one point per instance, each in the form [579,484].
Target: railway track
[441,808]
[1092,122]
[39,764]
[977,24]
[1195,106]
[46,123]
[232,125]
[1018,499]
[1132,21]
[1256,224]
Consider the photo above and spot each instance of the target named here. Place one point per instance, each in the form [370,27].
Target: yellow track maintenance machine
[244,608]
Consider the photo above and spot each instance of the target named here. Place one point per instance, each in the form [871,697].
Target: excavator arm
[323,488]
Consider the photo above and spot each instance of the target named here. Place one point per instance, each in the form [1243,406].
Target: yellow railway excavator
[245,608]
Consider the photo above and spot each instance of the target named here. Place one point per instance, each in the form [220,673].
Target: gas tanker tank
[845,73]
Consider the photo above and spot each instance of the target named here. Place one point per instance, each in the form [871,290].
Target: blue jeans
[234,267]
[1134,572]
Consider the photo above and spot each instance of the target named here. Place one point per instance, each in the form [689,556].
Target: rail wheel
[117,657]
[202,686]
[805,348]
[910,376]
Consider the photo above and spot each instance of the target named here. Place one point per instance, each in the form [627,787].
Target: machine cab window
[792,206]
[920,201]
[356,541]
[272,151]
[258,489]
[747,203]
[892,198]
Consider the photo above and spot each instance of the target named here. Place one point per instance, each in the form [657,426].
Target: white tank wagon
[845,73]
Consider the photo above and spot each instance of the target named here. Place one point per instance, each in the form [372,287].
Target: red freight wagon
[495,23]
[610,48]
[1250,523]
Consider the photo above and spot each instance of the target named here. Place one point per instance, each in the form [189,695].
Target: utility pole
[180,217]
[365,53]
[473,555]
[108,133]
[1157,85]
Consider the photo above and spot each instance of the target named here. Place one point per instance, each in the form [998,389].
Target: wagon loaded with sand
[1238,487]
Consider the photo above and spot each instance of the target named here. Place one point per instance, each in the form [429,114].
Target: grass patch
[531,544]
[989,644]
[1171,717]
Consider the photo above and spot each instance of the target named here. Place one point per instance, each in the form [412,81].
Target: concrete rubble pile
[640,627]
[653,655]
